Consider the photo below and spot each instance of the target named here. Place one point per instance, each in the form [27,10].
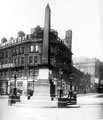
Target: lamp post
[26,71]
[33,83]
[15,90]
[61,73]
[33,80]
[15,78]
[71,80]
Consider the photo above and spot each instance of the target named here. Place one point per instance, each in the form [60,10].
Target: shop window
[30,72]
[19,87]
[30,85]
[11,86]
[30,59]
[19,73]
[35,72]
[3,87]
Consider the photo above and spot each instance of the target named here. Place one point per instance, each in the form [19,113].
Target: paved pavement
[90,107]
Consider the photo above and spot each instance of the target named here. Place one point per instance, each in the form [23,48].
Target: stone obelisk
[45,49]
[42,86]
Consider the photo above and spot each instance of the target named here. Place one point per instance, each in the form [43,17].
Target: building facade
[20,57]
[40,61]
[89,66]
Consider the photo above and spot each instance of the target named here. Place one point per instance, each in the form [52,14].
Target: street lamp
[15,78]
[61,73]
[33,80]
[33,84]
[71,80]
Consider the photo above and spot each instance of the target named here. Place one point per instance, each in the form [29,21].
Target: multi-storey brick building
[21,56]
[89,66]
[39,61]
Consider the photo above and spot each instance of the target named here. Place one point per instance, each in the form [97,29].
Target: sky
[83,17]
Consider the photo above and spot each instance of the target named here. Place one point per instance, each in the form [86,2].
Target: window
[36,72]
[12,74]
[12,61]
[30,59]
[35,59]
[34,48]
[3,75]
[2,55]
[31,48]
[30,72]
[6,61]
[22,61]
[2,62]
[19,73]
[6,54]
[15,61]
[19,61]
[22,73]
[0,74]
[16,51]
[13,52]
[21,50]
[6,74]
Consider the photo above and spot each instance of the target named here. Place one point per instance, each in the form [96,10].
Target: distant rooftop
[84,60]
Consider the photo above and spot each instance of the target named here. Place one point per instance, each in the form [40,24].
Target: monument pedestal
[42,88]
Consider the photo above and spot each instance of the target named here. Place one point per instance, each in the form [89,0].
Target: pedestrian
[29,94]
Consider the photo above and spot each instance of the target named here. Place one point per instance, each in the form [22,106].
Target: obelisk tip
[48,6]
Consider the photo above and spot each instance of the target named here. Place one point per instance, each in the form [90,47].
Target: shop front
[3,87]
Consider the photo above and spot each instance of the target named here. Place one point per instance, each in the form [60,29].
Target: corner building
[40,61]
[20,57]
[24,61]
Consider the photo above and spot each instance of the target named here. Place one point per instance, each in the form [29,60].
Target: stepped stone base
[37,102]
[42,88]
[41,96]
